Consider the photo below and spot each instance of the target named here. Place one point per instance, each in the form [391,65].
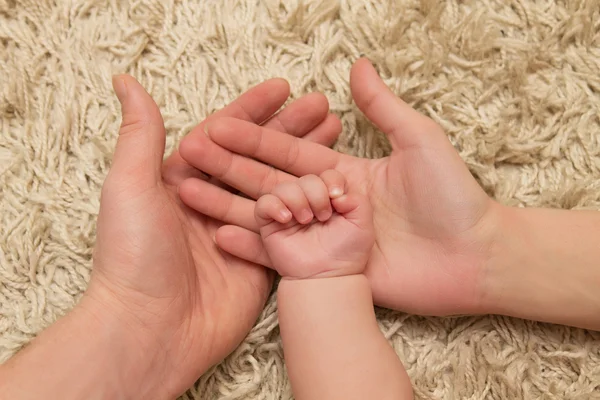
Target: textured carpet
[516,84]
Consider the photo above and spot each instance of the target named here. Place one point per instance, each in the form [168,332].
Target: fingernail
[306,216]
[324,215]
[285,214]
[336,192]
[205,128]
[119,87]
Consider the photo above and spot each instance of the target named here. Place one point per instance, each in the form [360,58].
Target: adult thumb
[141,144]
[404,125]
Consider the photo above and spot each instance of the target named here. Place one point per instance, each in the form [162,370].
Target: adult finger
[404,126]
[285,152]
[141,142]
[218,203]
[249,176]
[256,105]
[307,116]
[326,133]
[243,244]
[303,116]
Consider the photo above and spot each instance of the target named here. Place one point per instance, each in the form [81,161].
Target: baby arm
[333,347]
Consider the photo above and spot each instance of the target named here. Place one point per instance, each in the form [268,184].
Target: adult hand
[155,261]
[163,304]
[433,222]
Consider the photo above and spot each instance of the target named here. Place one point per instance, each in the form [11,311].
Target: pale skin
[442,246]
[318,237]
[163,304]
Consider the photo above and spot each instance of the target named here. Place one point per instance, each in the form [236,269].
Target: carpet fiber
[516,85]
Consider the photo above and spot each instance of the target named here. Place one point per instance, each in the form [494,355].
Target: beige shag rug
[516,84]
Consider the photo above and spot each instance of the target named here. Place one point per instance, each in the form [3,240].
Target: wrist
[325,275]
[134,361]
[543,266]
[356,283]
[85,354]
[481,248]
[512,271]
[336,269]
[499,249]
[308,299]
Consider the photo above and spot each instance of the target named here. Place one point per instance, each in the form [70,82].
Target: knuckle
[268,183]
[256,142]
[189,149]
[271,200]
[263,201]
[225,210]
[111,188]
[338,176]
[133,123]
[282,187]
[292,154]
[310,178]
[106,191]
[259,254]
[326,174]
[333,172]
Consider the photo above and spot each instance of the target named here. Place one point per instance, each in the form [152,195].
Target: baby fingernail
[306,216]
[324,215]
[285,214]
[336,192]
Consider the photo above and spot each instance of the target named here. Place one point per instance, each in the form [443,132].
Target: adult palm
[433,222]
[156,265]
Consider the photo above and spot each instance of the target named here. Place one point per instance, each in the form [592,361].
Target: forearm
[545,266]
[80,356]
[332,345]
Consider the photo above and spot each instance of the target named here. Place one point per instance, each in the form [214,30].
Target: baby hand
[312,228]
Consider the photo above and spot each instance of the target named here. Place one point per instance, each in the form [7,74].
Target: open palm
[432,220]
[156,264]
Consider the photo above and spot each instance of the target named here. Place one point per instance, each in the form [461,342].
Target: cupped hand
[314,228]
[434,224]
[156,266]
